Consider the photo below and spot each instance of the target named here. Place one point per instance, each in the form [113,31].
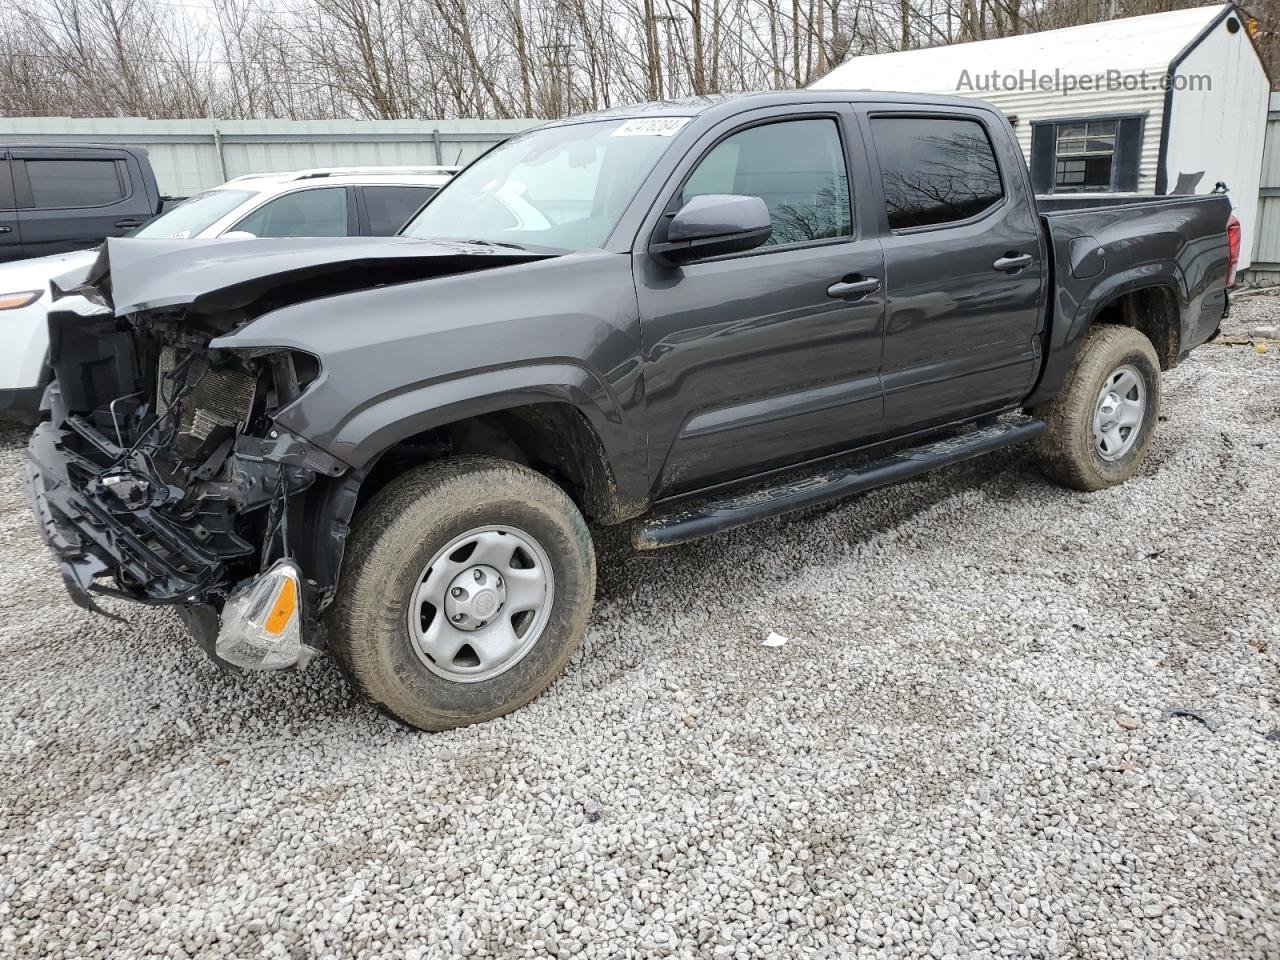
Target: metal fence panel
[1266,258]
[193,155]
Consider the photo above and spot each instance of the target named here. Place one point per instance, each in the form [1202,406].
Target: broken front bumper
[147,556]
[107,546]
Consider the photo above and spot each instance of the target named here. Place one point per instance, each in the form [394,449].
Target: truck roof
[731,103]
[57,144]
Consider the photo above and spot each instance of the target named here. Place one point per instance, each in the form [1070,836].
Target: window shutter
[1128,158]
[1044,144]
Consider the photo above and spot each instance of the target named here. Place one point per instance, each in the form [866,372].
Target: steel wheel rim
[481,603]
[1119,412]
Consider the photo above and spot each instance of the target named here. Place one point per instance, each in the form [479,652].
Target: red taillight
[1233,248]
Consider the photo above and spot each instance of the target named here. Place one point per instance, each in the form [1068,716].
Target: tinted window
[389,208]
[935,171]
[74,183]
[796,167]
[307,213]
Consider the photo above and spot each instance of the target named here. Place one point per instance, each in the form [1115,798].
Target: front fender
[402,358]
[388,419]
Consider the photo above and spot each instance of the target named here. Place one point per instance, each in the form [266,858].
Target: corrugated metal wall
[193,155]
[1266,258]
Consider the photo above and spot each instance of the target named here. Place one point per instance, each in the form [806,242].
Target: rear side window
[307,213]
[935,170]
[796,167]
[74,183]
[389,208]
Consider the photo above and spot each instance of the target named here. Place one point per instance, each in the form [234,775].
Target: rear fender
[1076,306]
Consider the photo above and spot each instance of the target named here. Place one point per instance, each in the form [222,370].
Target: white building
[1168,103]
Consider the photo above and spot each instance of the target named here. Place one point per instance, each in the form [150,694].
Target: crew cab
[682,316]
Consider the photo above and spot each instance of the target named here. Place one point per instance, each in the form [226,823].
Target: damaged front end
[162,474]
[161,477]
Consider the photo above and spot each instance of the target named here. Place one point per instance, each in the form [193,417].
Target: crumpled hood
[249,277]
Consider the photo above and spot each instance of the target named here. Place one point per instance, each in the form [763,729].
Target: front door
[965,268]
[770,357]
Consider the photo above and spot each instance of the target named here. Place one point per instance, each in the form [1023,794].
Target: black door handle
[853,289]
[1012,262]
[6,229]
[128,223]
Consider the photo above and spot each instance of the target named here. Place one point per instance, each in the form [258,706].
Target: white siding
[1139,49]
[1220,130]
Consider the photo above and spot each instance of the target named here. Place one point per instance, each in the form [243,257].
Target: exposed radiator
[221,397]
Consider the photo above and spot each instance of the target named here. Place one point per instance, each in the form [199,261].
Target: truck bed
[1105,246]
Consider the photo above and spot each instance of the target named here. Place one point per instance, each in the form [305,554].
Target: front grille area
[215,397]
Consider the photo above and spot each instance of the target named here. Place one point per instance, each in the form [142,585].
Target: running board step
[699,519]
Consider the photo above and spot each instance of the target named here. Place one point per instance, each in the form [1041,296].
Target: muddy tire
[465,589]
[1100,425]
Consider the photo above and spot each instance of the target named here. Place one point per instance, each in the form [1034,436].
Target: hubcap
[1117,418]
[481,603]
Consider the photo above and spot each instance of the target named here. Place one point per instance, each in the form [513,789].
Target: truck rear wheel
[1100,425]
[465,589]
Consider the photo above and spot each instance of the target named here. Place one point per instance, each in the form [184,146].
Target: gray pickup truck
[683,316]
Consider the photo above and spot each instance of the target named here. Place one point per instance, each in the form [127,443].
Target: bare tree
[476,58]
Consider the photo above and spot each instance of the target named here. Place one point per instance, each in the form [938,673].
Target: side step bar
[699,519]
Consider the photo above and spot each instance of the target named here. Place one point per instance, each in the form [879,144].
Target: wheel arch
[1150,298]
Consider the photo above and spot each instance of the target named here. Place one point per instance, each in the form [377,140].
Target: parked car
[60,197]
[340,202]
[683,316]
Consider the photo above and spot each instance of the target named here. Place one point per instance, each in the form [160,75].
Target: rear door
[73,199]
[765,358]
[964,263]
[385,209]
[10,236]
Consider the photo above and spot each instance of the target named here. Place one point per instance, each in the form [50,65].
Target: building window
[1085,155]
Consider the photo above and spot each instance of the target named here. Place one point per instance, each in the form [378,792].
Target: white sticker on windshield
[651,127]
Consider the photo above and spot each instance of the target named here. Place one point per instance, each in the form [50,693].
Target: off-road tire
[395,536]
[1066,450]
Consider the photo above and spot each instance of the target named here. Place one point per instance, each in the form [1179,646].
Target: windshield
[560,187]
[193,215]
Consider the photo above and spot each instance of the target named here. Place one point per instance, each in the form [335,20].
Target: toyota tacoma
[682,316]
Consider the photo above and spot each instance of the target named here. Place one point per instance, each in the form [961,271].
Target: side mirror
[712,225]
[239,235]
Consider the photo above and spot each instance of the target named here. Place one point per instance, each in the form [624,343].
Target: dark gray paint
[244,277]
[1177,244]
[961,332]
[713,371]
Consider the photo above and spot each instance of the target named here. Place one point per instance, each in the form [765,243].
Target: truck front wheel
[465,589]
[1100,425]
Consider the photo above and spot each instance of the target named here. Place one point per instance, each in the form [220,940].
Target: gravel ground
[959,752]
